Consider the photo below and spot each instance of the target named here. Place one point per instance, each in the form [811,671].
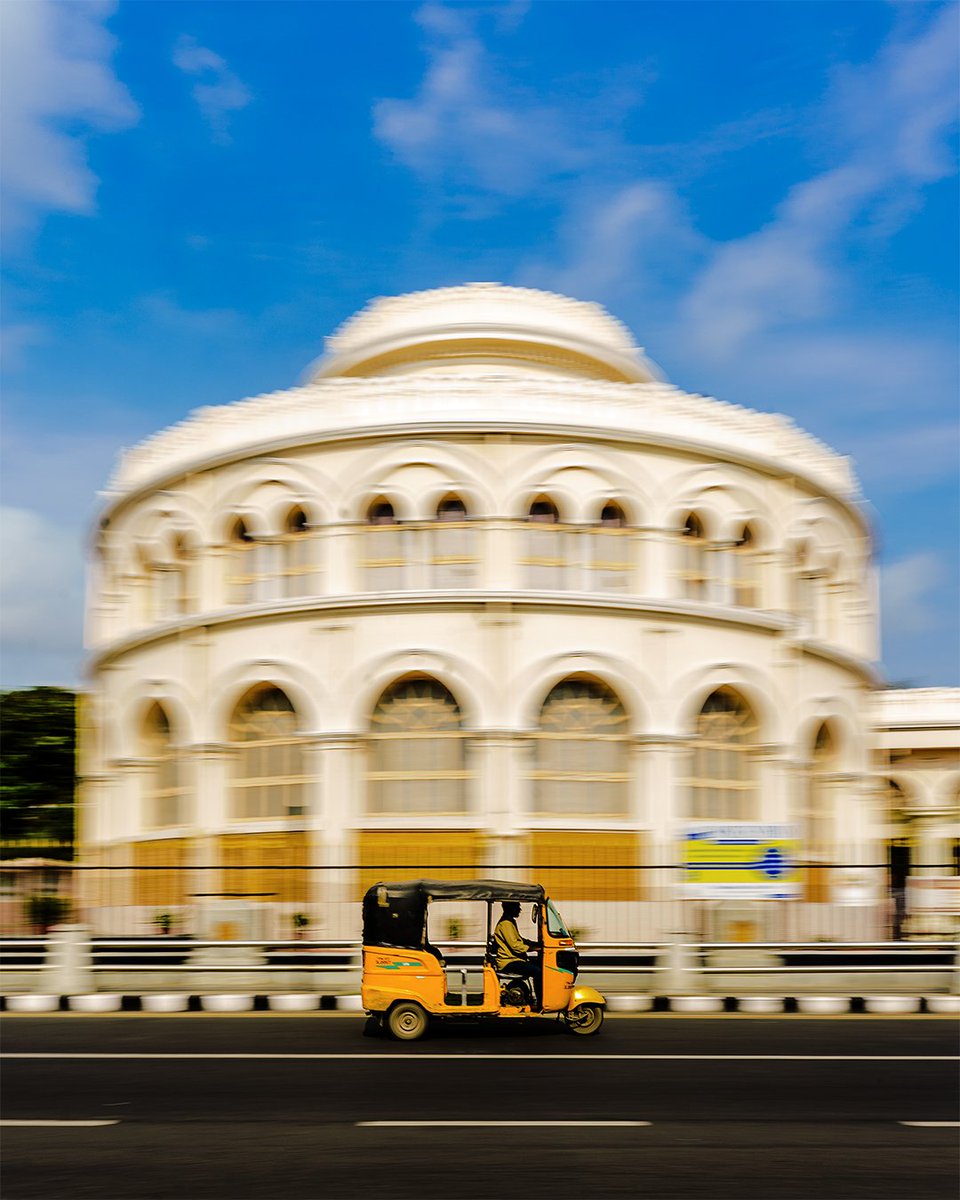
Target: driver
[510,946]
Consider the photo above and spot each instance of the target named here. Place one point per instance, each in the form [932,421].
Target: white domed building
[483,591]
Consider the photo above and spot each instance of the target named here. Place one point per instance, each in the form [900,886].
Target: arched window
[693,547]
[268,768]
[297,555]
[451,508]
[241,549]
[611,551]
[582,753]
[380,512]
[451,547]
[803,587]
[723,774]
[818,818]
[543,511]
[385,556]
[164,791]
[147,601]
[546,550]
[185,600]
[417,755]
[746,570]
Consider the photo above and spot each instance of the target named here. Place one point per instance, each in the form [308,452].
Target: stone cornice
[916,708]
[336,410]
[478,600]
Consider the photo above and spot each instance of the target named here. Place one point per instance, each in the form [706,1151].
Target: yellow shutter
[388,854]
[268,854]
[617,851]
[158,888]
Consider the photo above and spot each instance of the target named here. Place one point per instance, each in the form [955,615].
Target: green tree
[37,764]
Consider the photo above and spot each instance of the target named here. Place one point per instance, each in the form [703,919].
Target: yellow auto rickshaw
[407,982]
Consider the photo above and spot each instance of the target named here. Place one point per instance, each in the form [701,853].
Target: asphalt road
[284,1108]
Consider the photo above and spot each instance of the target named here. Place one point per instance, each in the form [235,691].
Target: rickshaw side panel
[395,974]
[392,974]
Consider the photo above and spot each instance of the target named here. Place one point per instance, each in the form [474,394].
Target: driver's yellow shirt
[510,946]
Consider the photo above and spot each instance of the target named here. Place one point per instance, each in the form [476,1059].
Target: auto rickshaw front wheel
[407,1021]
[585,1019]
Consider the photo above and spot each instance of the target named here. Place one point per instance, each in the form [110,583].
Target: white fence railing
[69,961]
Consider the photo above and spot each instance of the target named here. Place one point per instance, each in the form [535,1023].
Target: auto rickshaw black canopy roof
[394,914]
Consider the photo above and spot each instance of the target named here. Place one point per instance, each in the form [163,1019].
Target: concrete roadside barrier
[696,1004]
[296,1002]
[227,1002]
[823,1006]
[629,1004]
[757,1005]
[349,1004]
[891,1004]
[165,1002]
[32,1003]
[943,1005]
[95,1002]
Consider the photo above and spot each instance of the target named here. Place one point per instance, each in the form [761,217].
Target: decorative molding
[335,410]
[385,315]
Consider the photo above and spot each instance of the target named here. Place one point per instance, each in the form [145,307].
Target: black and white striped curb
[302,1002]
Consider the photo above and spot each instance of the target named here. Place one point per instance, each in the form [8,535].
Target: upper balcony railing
[493,555]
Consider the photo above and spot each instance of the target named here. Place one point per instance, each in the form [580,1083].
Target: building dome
[483,594]
[488,325]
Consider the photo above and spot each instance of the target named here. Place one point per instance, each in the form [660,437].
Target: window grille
[241,572]
[723,772]
[818,817]
[448,547]
[804,590]
[417,751]
[546,547]
[297,552]
[694,572]
[746,581]
[264,569]
[581,752]
[269,777]
[165,793]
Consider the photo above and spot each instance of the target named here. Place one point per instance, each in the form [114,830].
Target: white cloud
[163,309]
[908,459]
[41,599]
[57,82]
[909,593]
[891,120]
[218,92]
[16,339]
[637,238]
[470,129]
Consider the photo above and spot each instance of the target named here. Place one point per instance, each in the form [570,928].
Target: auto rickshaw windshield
[555,925]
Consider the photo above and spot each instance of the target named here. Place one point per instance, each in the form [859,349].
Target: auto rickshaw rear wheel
[407,1021]
[585,1019]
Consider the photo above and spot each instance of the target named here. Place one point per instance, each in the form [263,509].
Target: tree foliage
[37,764]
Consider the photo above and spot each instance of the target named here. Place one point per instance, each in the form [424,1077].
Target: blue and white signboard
[745,860]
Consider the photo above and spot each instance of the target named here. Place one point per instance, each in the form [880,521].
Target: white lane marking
[55,1124]
[932,1124]
[467,1057]
[497,1124]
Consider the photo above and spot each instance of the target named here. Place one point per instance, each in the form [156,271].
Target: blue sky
[196,193]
